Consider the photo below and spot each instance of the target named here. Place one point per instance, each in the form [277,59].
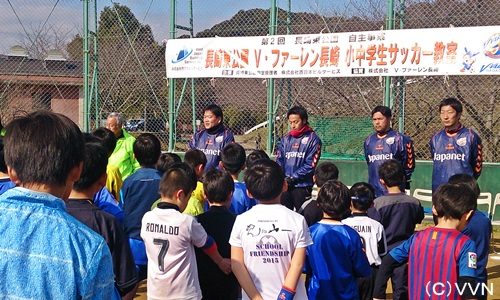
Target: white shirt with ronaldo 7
[169,237]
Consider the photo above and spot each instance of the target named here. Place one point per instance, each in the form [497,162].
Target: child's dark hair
[452,201]
[324,172]
[217,185]
[300,111]
[147,149]
[255,156]
[334,200]
[179,176]
[43,147]
[89,138]
[3,166]
[166,160]
[264,180]
[362,195]
[95,162]
[108,138]
[195,157]
[391,171]
[468,180]
[453,102]
[233,158]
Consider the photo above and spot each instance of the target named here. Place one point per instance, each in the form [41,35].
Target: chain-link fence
[127,68]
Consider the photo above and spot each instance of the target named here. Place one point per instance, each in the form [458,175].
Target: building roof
[22,66]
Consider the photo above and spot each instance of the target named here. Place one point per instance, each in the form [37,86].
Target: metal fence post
[389,24]
[171,85]
[401,89]
[96,70]
[273,23]
[86,58]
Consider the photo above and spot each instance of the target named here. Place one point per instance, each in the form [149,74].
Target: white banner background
[411,52]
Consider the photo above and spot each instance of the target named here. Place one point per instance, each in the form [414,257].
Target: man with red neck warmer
[455,149]
[298,154]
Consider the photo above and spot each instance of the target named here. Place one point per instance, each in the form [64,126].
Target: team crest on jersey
[390,141]
[305,140]
[462,141]
[219,139]
[472,261]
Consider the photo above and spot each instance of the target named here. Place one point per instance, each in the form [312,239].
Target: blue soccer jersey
[139,191]
[479,230]
[437,257]
[298,156]
[393,145]
[240,202]
[211,143]
[335,260]
[456,153]
[5,185]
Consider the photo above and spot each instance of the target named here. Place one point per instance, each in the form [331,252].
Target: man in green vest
[123,155]
[2,130]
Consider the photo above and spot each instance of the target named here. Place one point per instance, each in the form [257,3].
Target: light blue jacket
[45,253]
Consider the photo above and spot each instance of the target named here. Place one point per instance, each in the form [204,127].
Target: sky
[66,16]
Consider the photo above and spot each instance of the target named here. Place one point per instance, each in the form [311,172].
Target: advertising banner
[408,52]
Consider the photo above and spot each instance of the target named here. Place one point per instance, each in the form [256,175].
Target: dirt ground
[493,269]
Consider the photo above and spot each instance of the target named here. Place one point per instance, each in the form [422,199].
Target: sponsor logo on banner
[492,46]
[182,55]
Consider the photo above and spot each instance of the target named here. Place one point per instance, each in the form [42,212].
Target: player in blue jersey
[212,139]
[478,229]
[455,149]
[233,161]
[336,257]
[138,193]
[298,155]
[399,213]
[384,144]
[46,253]
[442,260]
